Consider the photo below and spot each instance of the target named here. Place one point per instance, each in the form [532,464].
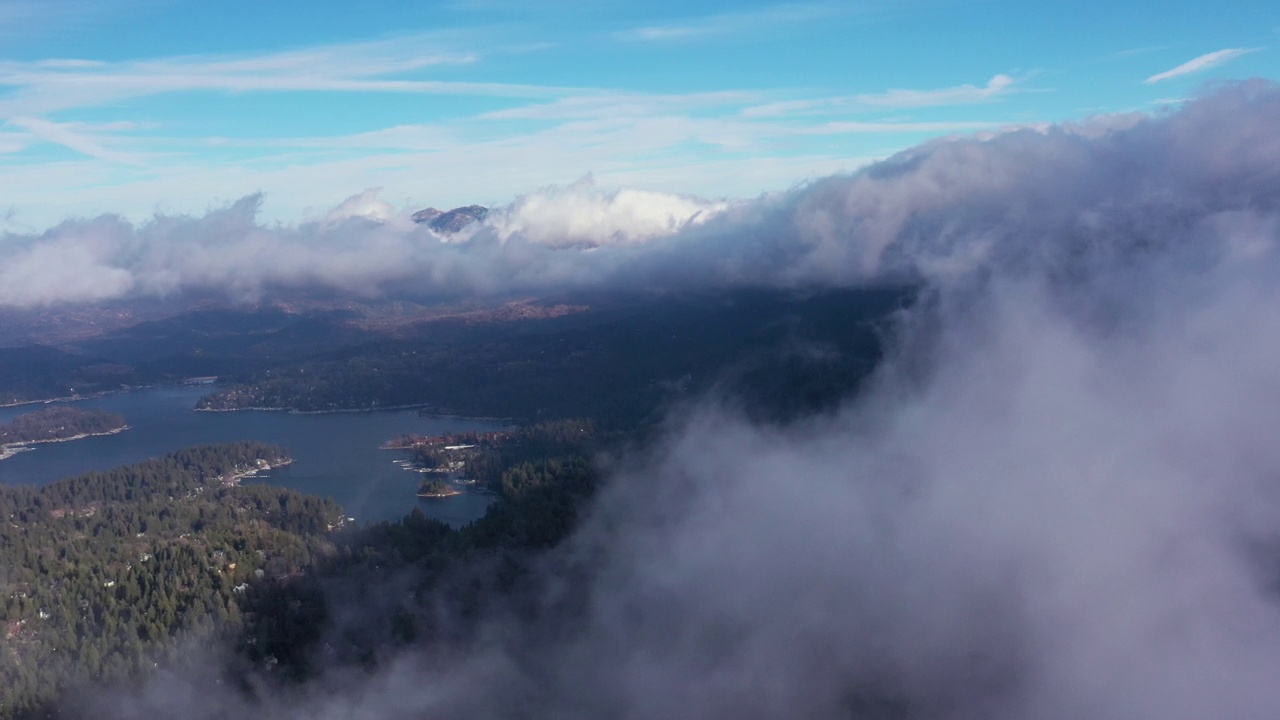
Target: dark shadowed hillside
[625,357]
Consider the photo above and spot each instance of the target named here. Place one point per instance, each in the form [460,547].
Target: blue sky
[143,106]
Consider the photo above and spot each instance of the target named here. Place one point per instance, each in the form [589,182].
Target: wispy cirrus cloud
[70,136]
[41,16]
[68,63]
[770,16]
[624,104]
[499,137]
[1204,62]
[1134,52]
[967,94]
[38,91]
[37,22]
[388,66]
[959,95]
[12,142]
[857,128]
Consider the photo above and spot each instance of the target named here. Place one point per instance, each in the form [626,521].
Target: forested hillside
[623,360]
[103,574]
[418,582]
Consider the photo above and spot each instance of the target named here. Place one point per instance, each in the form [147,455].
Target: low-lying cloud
[1057,518]
[1059,497]
[580,216]
[1203,178]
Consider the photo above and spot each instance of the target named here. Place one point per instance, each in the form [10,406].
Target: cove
[335,454]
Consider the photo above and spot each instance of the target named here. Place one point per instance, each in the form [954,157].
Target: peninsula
[59,423]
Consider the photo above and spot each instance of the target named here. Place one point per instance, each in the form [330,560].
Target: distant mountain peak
[450,221]
[426,216]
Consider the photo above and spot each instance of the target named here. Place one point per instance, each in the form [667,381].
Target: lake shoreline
[49,401]
[335,456]
[101,393]
[291,411]
[11,449]
[418,406]
[234,478]
[307,412]
[8,451]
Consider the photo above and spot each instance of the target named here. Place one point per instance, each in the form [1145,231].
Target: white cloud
[581,215]
[11,142]
[39,90]
[84,263]
[996,87]
[68,63]
[43,87]
[783,108]
[366,205]
[1203,62]
[42,17]
[605,105]
[668,32]
[859,128]
[769,17]
[67,135]
[960,95]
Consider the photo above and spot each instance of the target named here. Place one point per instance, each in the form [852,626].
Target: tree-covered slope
[103,574]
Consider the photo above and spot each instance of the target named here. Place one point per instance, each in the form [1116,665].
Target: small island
[497,461]
[446,457]
[437,489]
[60,423]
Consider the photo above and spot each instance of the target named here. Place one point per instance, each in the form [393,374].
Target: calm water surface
[335,454]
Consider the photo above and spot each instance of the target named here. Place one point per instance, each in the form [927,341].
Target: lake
[335,454]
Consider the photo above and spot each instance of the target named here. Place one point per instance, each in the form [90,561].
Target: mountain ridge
[450,221]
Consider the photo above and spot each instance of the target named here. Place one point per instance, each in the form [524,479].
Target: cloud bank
[1202,178]
[1059,498]
[578,215]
